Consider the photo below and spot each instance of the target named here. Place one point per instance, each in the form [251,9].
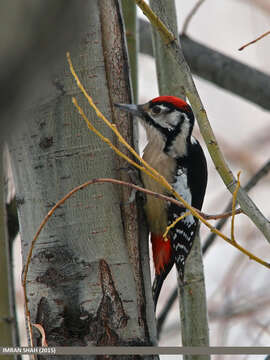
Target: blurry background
[238,290]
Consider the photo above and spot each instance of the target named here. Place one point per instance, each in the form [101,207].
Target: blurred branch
[191,14]
[240,308]
[254,41]
[6,319]
[221,70]
[129,9]
[234,205]
[34,38]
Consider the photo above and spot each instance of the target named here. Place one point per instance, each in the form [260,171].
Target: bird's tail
[159,279]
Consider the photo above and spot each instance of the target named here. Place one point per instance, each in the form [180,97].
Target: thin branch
[233,205]
[168,228]
[191,14]
[42,333]
[254,41]
[156,22]
[226,215]
[240,308]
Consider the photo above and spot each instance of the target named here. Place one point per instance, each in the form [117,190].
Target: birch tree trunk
[86,283]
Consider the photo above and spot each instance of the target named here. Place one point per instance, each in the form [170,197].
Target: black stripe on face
[174,133]
[164,131]
[169,135]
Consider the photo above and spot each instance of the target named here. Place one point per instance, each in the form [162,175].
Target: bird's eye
[156,110]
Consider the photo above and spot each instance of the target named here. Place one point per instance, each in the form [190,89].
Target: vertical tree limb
[6,320]
[194,316]
[169,78]
[193,309]
[129,9]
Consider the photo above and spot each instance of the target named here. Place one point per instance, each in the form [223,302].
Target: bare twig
[254,41]
[42,333]
[191,14]
[241,308]
[233,206]
[173,224]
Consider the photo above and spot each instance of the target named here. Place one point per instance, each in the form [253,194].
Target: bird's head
[166,117]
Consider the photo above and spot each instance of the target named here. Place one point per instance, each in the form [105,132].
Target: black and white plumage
[178,156]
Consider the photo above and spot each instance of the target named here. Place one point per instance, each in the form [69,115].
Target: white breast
[181,187]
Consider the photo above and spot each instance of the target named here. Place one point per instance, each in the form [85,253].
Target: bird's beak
[131,108]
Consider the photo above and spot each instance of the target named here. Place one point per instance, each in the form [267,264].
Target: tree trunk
[85,284]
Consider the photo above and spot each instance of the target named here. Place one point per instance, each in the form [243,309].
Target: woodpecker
[178,156]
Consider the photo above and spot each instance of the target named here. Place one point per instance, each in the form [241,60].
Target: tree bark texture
[167,73]
[129,9]
[193,305]
[35,35]
[85,283]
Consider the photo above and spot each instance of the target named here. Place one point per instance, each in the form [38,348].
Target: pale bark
[85,283]
[193,306]
[6,320]
[35,34]
[169,80]
[131,25]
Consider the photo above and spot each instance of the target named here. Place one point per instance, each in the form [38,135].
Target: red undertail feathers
[162,252]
